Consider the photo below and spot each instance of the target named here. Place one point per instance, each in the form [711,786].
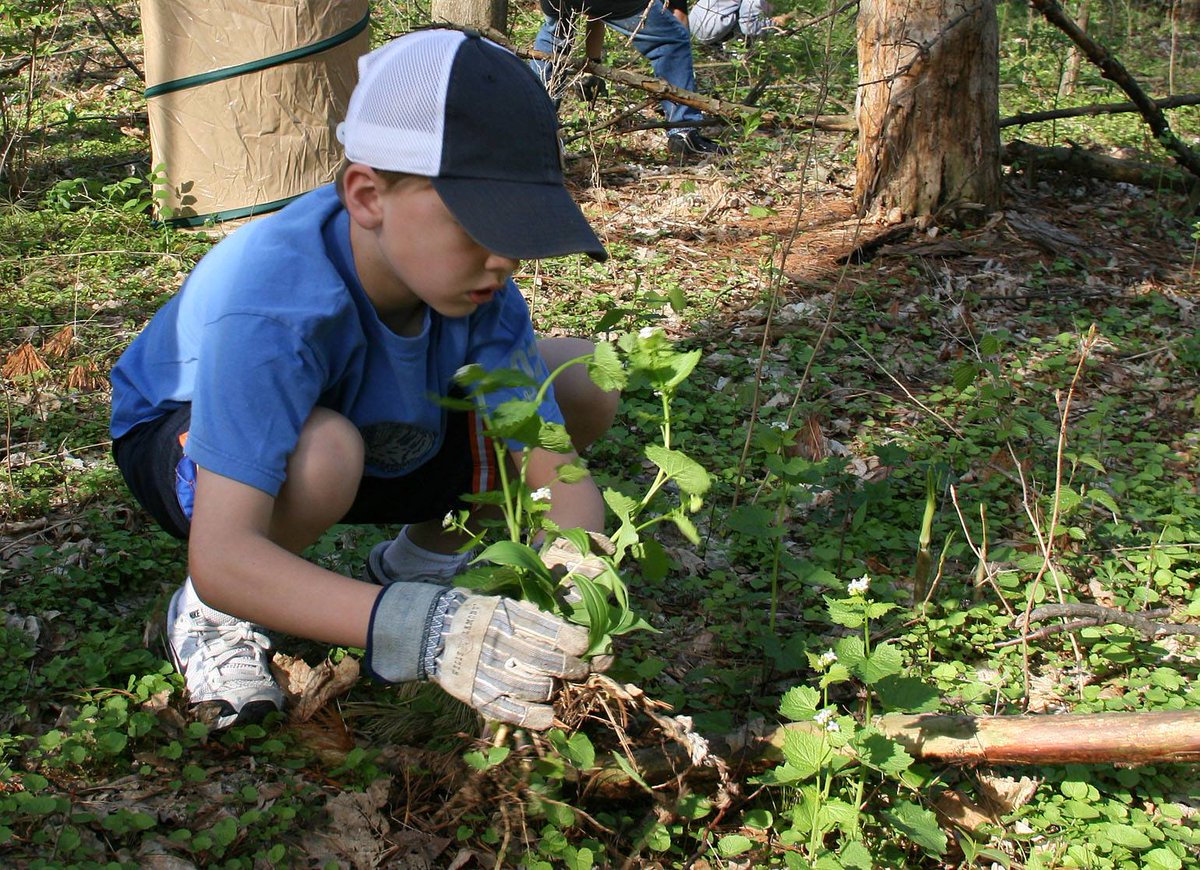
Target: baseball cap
[477,121]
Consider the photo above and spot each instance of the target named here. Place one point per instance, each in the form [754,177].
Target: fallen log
[1080,162]
[1076,738]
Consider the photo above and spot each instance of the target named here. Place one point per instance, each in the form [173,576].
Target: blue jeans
[657,35]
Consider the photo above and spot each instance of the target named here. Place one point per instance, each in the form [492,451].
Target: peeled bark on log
[1080,162]
[1078,738]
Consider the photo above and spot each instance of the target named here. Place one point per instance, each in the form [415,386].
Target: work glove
[500,656]
[564,559]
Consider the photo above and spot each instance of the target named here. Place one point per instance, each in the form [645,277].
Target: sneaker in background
[224,660]
[692,141]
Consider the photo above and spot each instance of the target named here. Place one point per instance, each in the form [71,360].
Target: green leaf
[516,419]
[631,771]
[677,298]
[850,652]
[605,367]
[1127,835]
[881,752]
[919,825]
[760,820]
[516,555]
[855,855]
[845,611]
[685,471]
[595,604]
[1155,859]
[799,703]
[908,694]
[686,527]
[734,844]
[554,437]
[884,661]
[805,751]
[224,832]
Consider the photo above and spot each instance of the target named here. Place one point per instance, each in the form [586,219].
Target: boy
[292,384]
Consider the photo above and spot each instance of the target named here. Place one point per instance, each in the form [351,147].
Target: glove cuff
[398,633]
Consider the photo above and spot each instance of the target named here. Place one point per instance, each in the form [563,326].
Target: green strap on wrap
[255,65]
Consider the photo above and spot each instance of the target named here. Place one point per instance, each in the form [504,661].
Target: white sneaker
[223,659]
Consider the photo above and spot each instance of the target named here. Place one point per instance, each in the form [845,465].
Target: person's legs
[661,39]
[713,21]
[554,38]
[225,660]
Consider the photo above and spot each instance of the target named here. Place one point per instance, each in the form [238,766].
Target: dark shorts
[163,479]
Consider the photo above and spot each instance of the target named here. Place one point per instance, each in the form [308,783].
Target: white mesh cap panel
[397,111]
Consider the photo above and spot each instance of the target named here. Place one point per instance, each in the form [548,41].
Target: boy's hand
[564,559]
[498,655]
[503,656]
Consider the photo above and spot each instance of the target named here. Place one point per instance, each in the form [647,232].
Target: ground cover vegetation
[845,474]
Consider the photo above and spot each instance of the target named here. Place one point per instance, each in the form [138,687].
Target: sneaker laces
[236,649]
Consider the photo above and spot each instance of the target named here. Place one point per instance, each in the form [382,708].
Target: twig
[112,42]
[1089,615]
[1046,539]
[1022,118]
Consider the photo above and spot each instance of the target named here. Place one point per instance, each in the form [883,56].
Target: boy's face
[416,252]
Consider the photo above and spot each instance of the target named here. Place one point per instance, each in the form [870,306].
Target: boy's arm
[572,505]
[237,568]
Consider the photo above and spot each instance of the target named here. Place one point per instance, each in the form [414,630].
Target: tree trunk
[928,109]
[1066,86]
[472,13]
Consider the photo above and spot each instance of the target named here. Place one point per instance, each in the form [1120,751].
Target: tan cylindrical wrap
[244,97]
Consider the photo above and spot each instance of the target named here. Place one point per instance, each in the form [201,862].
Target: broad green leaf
[734,844]
[847,612]
[839,813]
[884,661]
[908,694]
[571,472]
[514,554]
[881,752]
[1127,835]
[677,298]
[605,368]
[850,651]
[554,437]
[1158,859]
[760,819]
[516,419]
[685,471]
[686,527]
[919,825]
[805,751]
[799,703]
[855,855]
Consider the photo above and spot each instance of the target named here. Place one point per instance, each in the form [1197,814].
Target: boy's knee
[587,410]
[329,456]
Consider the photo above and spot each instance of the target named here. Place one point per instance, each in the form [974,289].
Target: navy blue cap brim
[520,219]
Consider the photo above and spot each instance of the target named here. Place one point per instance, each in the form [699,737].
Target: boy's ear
[362,189]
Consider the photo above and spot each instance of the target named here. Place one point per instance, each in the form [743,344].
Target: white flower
[859,586]
[832,726]
[542,494]
[780,425]
[647,331]
[827,658]
[824,717]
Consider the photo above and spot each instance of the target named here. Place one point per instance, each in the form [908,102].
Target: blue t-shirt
[273,322]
